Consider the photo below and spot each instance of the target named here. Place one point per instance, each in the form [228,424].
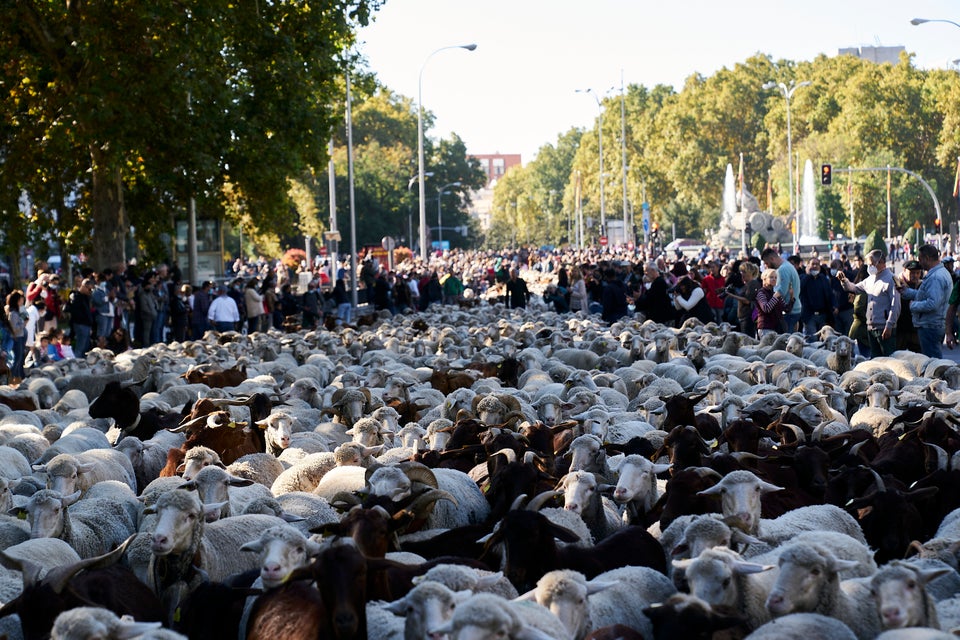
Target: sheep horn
[541,499]
[880,486]
[518,502]
[424,502]
[797,432]
[186,425]
[942,458]
[419,472]
[345,497]
[58,577]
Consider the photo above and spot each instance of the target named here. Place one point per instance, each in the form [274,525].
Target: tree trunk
[109,223]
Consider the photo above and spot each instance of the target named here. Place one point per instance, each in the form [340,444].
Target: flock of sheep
[394,422]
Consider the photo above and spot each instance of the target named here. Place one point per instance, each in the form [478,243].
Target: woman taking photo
[746,317]
[578,291]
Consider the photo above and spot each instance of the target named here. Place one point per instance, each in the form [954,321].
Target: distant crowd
[769,291]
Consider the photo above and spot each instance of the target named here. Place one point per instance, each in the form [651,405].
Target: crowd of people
[769,292]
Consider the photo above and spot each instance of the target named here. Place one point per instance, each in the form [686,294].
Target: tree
[190,96]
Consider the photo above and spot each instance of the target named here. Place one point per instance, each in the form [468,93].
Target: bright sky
[517,90]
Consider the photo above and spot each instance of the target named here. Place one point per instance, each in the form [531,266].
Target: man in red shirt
[712,284]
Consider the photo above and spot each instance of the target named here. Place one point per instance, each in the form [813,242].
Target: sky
[518,90]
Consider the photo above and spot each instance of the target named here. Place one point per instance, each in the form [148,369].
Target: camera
[722,293]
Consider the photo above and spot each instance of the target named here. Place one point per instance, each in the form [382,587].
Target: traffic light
[826,174]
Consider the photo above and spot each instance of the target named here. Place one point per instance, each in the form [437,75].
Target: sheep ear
[397,607]
[529,596]
[661,468]
[86,467]
[744,568]
[313,548]
[149,511]
[682,564]
[236,481]
[290,517]
[712,491]
[40,468]
[526,632]
[17,512]
[70,499]
[255,546]
[443,630]
[129,629]
[213,508]
[595,586]
[841,565]
[932,574]
[766,487]
[181,468]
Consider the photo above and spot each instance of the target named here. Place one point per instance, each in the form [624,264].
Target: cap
[911,265]
[947,259]
[679,269]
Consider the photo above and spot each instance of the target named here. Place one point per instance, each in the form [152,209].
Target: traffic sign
[916,224]
[603,241]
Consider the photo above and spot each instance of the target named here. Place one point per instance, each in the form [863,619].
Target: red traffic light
[826,174]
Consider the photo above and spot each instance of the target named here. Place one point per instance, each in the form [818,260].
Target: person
[66,346]
[272,317]
[146,305]
[653,300]
[103,299]
[54,345]
[907,338]
[382,299]
[691,301]
[614,297]
[199,308]
[517,292]
[161,292]
[928,303]
[239,299]
[816,299]
[746,298]
[842,302]
[39,354]
[253,301]
[368,276]
[311,306]
[788,285]
[223,314]
[578,290]
[118,341]
[180,313]
[883,303]
[712,284]
[35,312]
[81,315]
[17,322]
[770,304]
[342,300]
[452,288]
[559,301]
[858,326]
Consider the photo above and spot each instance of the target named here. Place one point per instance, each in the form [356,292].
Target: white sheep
[89,623]
[458,577]
[67,473]
[804,626]
[485,616]
[148,457]
[809,581]
[280,550]
[613,597]
[581,495]
[636,488]
[427,606]
[13,464]
[262,468]
[215,485]
[77,441]
[92,527]
[902,600]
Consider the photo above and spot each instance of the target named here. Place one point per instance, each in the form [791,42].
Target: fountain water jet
[809,222]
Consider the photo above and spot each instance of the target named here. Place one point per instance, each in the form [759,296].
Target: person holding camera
[770,304]
[883,303]
[691,301]
[746,298]
[713,284]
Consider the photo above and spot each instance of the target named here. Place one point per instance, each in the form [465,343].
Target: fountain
[738,209]
[809,222]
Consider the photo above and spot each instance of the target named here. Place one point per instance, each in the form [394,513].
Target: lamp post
[440,193]
[410,182]
[420,170]
[603,207]
[787,94]
[917,21]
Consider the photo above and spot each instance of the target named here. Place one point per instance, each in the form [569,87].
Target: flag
[769,193]
[888,187]
[740,181]
[956,182]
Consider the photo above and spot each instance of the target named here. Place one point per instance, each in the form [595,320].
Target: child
[38,355]
[54,347]
[65,347]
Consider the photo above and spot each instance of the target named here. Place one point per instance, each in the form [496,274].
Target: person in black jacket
[614,296]
[517,292]
[654,301]
[81,317]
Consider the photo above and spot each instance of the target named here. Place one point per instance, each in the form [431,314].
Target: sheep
[740,493]
[277,431]
[458,577]
[77,441]
[485,616]
[427,606]
[613,597]
[215,485]
[804,626]
[636,488]
[902,599]
[67,473]
[581,495]
[148,457]
[92,527]
[13,464]
[809,581]
[280,550]
[196,459]
[180,535]
[88,623]
[721,577]
[262,468]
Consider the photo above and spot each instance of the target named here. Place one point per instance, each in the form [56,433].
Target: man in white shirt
[223,314]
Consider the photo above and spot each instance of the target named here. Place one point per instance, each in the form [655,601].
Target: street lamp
[410,182]
[787,94]
[603,208]
[420,170]
[440,193]
[917,21]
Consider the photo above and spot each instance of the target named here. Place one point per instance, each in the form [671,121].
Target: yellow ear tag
[232,425]
[21,515]
[176,615]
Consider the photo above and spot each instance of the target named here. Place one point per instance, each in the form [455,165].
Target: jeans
[19,353]
[81,339]
[345,312]
[104,325]
[253,324]
[879,346]
[156,330]
[931,339]
[223,327]
[842,321]
[791,321]
[814,323]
